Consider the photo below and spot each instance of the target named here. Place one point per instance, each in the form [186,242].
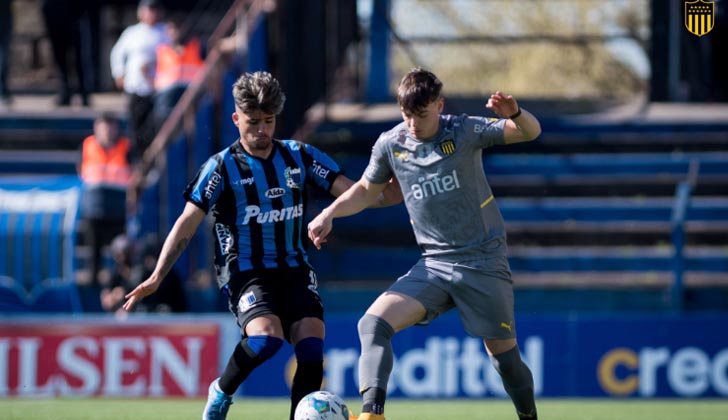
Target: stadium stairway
[623,212]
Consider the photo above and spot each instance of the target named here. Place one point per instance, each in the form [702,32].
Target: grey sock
[377,356]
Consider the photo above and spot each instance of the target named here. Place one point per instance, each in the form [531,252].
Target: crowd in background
[152,62]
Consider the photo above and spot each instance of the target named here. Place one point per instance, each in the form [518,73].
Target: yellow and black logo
[447,147]
[699,17]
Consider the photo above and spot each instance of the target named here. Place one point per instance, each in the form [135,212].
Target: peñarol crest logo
[699,17]
[447,147]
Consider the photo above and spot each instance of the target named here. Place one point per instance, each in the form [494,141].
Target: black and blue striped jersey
[258,204]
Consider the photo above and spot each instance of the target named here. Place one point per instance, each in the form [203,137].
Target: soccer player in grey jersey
[437,160]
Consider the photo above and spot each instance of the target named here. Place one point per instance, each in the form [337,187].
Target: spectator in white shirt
[133,63]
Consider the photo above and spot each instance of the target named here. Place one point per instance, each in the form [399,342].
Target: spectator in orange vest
[178,63]
[105,172]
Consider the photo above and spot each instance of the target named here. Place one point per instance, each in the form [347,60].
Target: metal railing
[679,215]
[238,22]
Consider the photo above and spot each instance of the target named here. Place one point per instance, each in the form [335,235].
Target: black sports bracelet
[516,115]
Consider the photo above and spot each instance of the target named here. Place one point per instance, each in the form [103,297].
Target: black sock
[517,381]
[373,400]
[308,378]
[240,365]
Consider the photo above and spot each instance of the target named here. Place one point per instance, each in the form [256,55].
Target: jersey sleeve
[482,132]
[322,170]
[379,169]
[207,185]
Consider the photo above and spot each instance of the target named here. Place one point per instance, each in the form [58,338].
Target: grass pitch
[397,409]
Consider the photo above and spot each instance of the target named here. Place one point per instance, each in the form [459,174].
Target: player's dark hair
[417,90]
[258,91]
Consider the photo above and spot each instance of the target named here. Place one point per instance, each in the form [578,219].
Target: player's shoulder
[290,144]
[456,122]
[465,124]
[225,154]
[397,134]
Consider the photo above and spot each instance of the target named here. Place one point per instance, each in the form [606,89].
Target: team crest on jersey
[447,147]
[293,177]
[424,150]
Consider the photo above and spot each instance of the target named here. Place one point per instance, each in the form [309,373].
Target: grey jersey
[450,203]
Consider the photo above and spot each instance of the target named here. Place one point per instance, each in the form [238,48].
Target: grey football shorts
[481,291]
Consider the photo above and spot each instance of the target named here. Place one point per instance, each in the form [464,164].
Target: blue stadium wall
[630,355]
[625,355]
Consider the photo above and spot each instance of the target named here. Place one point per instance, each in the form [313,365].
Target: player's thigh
[266,324]
[301,309]
[498,346]
[307,327]
[484,301]
[252,299]
[397,309]
[417,297]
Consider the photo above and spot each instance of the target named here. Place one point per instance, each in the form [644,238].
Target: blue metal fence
[38,224]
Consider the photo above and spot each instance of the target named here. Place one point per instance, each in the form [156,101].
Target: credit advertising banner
[633,355]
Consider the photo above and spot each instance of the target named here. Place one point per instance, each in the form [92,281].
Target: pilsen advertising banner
[69,357]
[635,355]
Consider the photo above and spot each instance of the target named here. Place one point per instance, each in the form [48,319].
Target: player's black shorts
[289,293]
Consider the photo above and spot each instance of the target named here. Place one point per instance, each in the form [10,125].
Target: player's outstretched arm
[391,195]
[359,196]
[521,124]
[180,235]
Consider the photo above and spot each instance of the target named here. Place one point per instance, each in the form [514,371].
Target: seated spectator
[131,264]
[105,172]
[178,63]
[170,296]
[116,281]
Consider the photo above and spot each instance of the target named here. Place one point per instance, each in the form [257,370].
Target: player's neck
[427,137]
[258,153]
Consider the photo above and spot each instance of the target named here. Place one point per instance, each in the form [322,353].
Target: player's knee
[374,325]
[508,363]
[310,349]
[262,346]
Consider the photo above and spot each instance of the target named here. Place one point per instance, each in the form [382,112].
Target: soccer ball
[321,405]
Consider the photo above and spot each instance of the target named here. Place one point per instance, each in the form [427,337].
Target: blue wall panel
[631,355]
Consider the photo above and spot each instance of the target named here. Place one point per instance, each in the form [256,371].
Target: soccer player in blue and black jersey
[255,190]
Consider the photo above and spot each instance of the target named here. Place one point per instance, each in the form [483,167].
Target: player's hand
[319,228]
[502,104]
[146,288]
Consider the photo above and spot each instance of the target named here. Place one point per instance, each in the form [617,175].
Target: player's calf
[517,381]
